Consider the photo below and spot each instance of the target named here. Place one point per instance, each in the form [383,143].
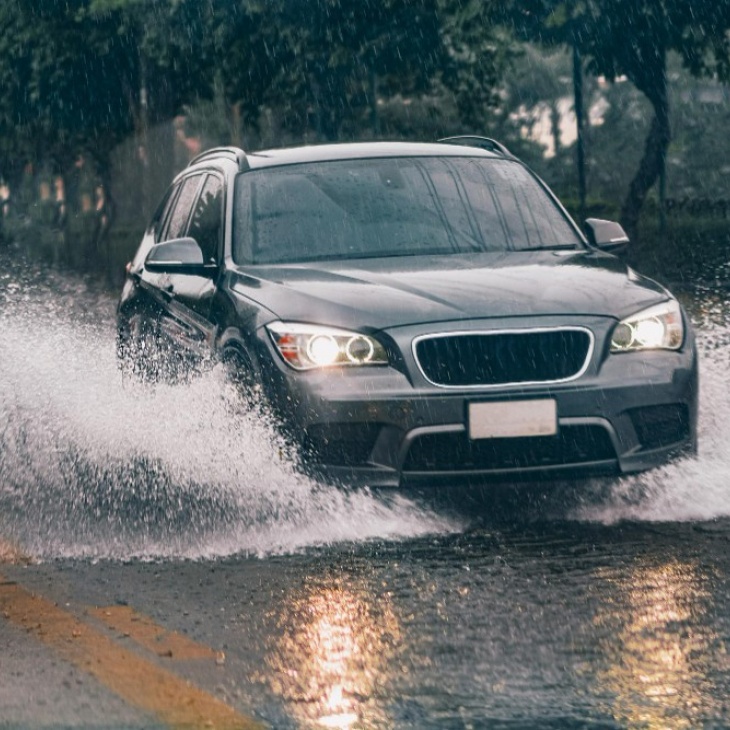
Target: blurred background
[622,106]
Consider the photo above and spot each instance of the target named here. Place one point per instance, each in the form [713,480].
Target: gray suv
[414,313]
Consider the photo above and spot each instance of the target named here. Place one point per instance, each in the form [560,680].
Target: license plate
[513,419]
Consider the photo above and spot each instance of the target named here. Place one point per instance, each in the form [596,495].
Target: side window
[206,224]
[163,212]
[178,220]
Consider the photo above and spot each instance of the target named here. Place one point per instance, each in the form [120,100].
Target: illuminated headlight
[658,327]
[307,346]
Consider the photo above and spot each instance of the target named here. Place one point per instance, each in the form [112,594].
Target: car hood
[383,293]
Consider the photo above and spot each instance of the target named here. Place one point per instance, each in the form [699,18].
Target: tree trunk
[555,119]
[580,130]
[655,152]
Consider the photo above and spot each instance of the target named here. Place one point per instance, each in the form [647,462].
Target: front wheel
[242,374]
[138,350]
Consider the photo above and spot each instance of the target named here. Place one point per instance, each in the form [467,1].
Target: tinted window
[393,207]
[163,210]
[207,221]
[181,212]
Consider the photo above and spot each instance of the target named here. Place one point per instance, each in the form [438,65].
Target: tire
[242,374]
[138,350]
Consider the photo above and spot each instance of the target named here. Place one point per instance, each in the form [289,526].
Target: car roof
[360,150]
[329,152]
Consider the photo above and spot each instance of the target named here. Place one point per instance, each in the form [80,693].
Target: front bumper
[388,426]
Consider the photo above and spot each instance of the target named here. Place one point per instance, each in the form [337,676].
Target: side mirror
[606,235]
[178,256]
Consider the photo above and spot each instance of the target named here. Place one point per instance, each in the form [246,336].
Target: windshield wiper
[556,247]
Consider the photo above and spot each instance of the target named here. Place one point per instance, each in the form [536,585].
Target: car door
[189,297]
[159,287]
[143,318]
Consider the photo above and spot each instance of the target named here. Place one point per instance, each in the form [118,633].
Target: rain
[172,555]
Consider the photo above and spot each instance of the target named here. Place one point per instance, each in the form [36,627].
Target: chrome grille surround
[498,332]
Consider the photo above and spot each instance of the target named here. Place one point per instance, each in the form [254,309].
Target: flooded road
[170,531]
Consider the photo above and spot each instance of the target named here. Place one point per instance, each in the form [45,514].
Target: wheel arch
[233,345]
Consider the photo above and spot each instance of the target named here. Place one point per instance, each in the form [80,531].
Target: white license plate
[513,419]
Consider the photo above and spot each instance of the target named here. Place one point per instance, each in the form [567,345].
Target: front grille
[532,356]
[658,426]
[340,444]
[455,452]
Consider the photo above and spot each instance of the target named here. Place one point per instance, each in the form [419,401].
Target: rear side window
[162,213]
[181,212]
[206,225]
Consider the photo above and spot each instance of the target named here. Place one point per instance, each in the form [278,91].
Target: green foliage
[476,56]
[629,37]
[79,75]
[698,158]
[320,64]
[72,73]
[633,38]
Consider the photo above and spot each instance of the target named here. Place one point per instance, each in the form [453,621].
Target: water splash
[692,489]
[93,465]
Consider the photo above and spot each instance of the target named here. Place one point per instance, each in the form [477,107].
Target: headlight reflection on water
[334,651]
[661,652]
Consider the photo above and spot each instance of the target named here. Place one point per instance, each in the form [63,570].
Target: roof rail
[485,143]
[232,153]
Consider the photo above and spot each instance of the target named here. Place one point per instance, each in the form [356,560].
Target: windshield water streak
[375,208]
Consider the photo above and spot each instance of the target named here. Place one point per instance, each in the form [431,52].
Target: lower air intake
[574,445]
[658,426]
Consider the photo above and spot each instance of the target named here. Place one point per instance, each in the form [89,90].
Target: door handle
[168,292]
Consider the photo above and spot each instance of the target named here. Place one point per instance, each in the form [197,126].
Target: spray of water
[95,465]
[692,489]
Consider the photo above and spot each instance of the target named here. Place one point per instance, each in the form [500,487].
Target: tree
[477,56]
[322,64]
[78,76]
[632,38]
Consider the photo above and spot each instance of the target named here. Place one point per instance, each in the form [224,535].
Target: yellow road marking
[143,630]
[139,682]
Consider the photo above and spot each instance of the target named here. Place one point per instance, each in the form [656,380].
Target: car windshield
[367,208]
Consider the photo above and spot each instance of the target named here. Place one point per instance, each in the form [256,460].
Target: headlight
[658,327]
[307,346]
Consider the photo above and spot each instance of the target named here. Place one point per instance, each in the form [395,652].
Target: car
[414,314]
